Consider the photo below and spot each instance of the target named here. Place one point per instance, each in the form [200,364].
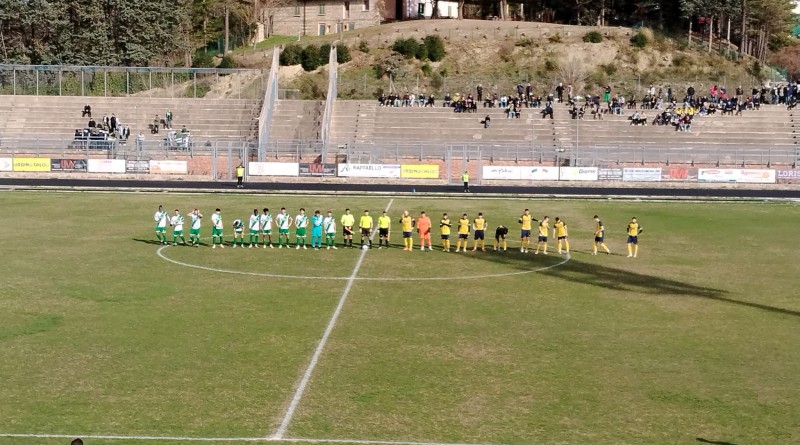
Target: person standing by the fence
[465,180]
[168,119]
[240,175]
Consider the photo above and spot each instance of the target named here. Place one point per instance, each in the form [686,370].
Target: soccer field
[103,332]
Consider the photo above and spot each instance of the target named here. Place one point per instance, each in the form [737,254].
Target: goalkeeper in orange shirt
[424,229]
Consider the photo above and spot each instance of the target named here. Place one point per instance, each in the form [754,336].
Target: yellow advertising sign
[419,171]
[31,164]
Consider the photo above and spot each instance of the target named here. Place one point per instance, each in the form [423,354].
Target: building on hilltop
[418,9]
[321,17]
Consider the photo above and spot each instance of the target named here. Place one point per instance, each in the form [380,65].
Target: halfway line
[301,387]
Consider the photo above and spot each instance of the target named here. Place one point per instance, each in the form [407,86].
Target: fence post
[37,80]
[105,83]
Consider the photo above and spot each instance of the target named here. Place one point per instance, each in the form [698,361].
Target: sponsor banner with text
[679,174]
[137,166]
[6,165]
[106,166]
[578,173]
[501,172]
[642,174]
[273,169]
[68,165]
[368,170]
[609,174]
[317,169]
[31,164]
[419,171]
[169,167]
[738,175]
[787,175]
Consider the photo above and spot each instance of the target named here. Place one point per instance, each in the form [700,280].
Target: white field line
[232,439]
[301,387]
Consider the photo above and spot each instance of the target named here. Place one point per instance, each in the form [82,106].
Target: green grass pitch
[697,338]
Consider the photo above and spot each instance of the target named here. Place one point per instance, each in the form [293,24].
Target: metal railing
[419,151]
[330,99]
[109,81]
[268,107]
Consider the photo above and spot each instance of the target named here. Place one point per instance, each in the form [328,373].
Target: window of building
[321,9]
[322,29]
[297,9]
[366,5]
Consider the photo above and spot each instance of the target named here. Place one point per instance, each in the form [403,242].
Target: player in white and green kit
[194,229]
[300,224]
[329,226]
[255,228]
[284,222]
[177,228]
[266,228]
[216,230]
[238,227]
[162,219]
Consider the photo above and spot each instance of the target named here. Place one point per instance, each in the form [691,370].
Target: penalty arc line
[301,387]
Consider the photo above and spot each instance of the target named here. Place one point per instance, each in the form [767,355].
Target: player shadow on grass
[156,242]
[714,442]
[599,275]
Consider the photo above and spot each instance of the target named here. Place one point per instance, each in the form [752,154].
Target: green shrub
[639,40]
[378,70]
[406,47]
[437,81]
[227,62]
[680,60]
[291,55]
[525,42]
[310,58]
[435,46]
[608,68]
[343,54]
[426,69]
[324,54]
[443,72]
[555,38]
[363,46]
[202,59]
[550,65]
[422,52]
[593,37]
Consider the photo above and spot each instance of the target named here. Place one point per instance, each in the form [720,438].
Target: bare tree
[572,71]
[265,11]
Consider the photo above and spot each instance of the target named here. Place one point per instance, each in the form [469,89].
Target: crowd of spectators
[111,128]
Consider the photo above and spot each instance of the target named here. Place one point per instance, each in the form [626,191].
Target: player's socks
[635,250]
[630,253]
[505,245]
[566,246]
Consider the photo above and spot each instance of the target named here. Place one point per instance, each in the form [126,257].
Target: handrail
[330,99]
[268,107]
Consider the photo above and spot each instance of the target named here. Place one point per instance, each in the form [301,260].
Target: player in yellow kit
[525,230]
[384,224]
[365,224]
[479,226]
[544,228]
[560,232]
[634,229]
[444,229]
[407,225]
[599,236]
[463,233]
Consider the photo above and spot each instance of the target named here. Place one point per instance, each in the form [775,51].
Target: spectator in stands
[154,126]
[486,121]
[106,121]
[447,100]
[560,92]
[126,132]
[87,111]
[92,123]
[140,141]
[548,108]
[421,99]
[113,123]
[607,95]
[479,89]
[690,93]
[168,119]
[431,101]
[184,131]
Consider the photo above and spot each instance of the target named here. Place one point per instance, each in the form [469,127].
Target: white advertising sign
[642,174]
[539,173]
[106,166]
[6,164]
[501,172]
[163,166]
[736,175]
[578,173]
[273,169]
[368,170]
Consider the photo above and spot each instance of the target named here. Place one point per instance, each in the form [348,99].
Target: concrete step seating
[60,116]
[297,120]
